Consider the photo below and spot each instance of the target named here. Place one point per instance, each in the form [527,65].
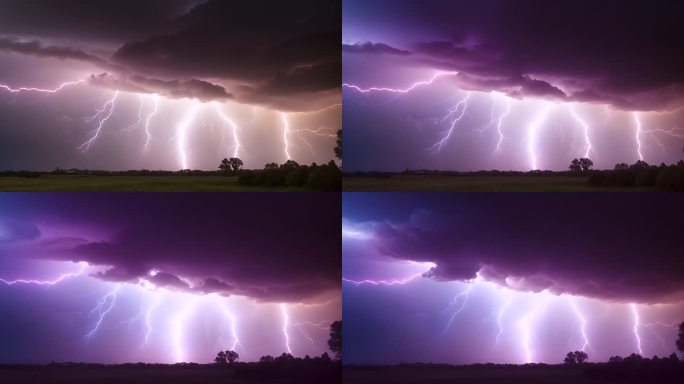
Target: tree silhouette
[225,165]
[338,145]
[586,165]
[680,338]
[227,357]
[575,166]
[335,341]
[235,163]
[577,357]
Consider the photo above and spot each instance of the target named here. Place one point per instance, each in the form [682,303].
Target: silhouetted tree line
[576,358]
[327,177]
[636,368]
[317,369]
[641,174]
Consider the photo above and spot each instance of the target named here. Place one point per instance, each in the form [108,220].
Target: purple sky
[464,278]
[503,84]
[167,84]
[166,277]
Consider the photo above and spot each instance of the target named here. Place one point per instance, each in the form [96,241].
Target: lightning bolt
[234,127]
[585,126]
[498,126]
[321,131]
[182,133]
[401,281]
[177,332]
[138,120]
[102,311]
[233,325]
[286,131]
[413,86]
[499,317]
[148,321]
[148,120]
[454,117]
[635,115]
[42,90]
[675,132]
[492,112]
[103,114]
[59,279]
[532,129]
[321,325]
[583,325]
[635,329]
[465,294]
[286,324]
[525,325]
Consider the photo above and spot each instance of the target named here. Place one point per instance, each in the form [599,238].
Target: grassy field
[476,183]
[176,183]
[116,375]
[465,374]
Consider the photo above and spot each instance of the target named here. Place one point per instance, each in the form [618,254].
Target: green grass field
[178,183]
[479,183]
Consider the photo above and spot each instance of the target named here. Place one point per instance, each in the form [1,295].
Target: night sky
[499,84]
[167,84]
[510,278]
[166,277]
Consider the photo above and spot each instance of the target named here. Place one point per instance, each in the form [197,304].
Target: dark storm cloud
[289,47]
[194,88]
[611,247]
[369,47]
[92,20]
[623,53]
[37,49]
[267,50]
[269,247]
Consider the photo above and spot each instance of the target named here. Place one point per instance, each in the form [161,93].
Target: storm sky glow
[160,278]
[142,67]
[608,91]
[461,278]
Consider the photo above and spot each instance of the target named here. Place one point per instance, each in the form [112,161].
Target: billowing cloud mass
[620,53]
[261,247]
[110,86]
[615,248]
[511,85]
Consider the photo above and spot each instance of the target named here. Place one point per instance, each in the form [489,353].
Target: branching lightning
[104,306]
[286,132]
[59,279]
[532,130]
[461,298]
[147,123]
[413,86]
[42,90]
[499,124]
[635,329]
[234,128]
[182,136]
[637,137]
[103,114]
[384,282]
[286,325]
[454,116]
[585,127]
[583,325]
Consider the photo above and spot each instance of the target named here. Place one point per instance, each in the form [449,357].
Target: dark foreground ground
[148,374]
[489,374]
[92,183]
[477,183]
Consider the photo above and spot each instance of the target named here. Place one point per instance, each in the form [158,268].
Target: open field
[477,183]
[172,183]
[476,374]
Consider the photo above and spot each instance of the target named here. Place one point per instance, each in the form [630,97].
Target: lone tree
[227,357]
[582,165]
[232,164]
[680,339]
[335,341]
[576,358]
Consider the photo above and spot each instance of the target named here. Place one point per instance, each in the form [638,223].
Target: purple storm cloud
[545,82]
[167,277]
[510,278]
[168,84]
